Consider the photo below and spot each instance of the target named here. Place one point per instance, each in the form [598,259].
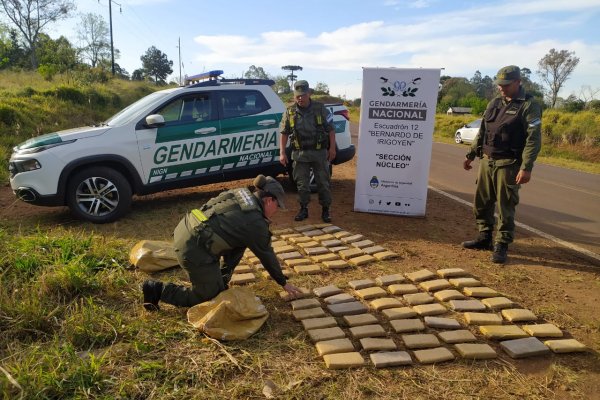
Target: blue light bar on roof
[203,76]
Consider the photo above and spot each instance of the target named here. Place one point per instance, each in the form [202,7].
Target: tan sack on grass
[153,255]
[234,314]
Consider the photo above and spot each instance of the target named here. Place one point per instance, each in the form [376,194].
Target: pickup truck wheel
[99,195]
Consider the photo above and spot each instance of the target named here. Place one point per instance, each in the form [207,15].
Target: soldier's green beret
[507,74]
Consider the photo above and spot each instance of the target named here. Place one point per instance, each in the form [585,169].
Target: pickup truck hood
[62,136]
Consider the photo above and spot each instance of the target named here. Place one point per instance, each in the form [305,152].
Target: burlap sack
[234,314]
[153,255]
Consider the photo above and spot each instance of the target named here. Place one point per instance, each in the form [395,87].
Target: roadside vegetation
[569,139]
[31,105]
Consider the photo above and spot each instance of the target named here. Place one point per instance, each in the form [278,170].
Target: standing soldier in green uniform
[510,139]
[210,242]
[308,125]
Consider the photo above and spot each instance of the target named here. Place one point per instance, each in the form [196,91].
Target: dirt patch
[558,284]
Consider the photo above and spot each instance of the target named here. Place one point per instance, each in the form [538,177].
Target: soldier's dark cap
[269,185]
[507,75]
[301,87]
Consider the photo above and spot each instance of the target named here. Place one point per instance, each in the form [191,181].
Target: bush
[27,92]
[47,71]
[573,105]
[8,115]
[581,128]
[69,94]
[446,125]
[593,105]
[92,75]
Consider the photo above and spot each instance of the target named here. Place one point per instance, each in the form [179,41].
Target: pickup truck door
[186,146]
[249,132]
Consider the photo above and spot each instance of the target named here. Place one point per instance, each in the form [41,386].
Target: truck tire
[99,195]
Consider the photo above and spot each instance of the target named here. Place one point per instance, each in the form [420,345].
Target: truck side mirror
[155,121]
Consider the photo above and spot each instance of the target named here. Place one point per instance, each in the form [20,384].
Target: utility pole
[179,47]
[112,49]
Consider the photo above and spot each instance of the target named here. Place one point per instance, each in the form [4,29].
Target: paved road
[558,201]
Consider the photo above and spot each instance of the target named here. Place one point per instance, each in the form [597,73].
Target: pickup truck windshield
[132,111]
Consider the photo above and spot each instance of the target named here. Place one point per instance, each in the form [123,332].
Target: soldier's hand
[331,154]
[467,164]
[292,290]
[283,160]
[523,177]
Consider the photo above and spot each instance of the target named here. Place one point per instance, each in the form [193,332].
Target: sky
[333,40]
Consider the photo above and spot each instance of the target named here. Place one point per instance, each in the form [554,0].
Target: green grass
[31,106]
[73,327]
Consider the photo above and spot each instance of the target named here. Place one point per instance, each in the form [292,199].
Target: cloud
[452,40]
[410,4]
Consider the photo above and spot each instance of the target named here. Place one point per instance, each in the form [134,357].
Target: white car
[468,132]
[212,130]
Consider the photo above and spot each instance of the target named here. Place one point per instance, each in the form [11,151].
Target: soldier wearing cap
[308,126]
[508,142]
[210,242]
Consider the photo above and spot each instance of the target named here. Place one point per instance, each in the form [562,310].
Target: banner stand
[394,141]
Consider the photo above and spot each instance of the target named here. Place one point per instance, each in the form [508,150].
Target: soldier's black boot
[152,291]
[302,214]
[499,254]
[483,242]
[325,215]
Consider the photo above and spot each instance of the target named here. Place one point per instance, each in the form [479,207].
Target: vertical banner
[397,116]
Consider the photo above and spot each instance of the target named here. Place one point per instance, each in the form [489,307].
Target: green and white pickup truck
[211,131]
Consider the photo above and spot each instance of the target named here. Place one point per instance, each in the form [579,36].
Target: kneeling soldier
[211,241]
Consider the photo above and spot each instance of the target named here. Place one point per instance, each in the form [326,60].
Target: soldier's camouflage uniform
[310,133]
[211,241]
[509,140]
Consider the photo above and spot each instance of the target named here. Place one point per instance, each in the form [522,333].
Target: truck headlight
[16,167]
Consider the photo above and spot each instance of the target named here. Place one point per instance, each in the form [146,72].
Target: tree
[484,86]
[11,53]
[94,36]
[531,87]
[321,88]
[121,72]
[156,65]
[573,104]
[137,75]
[282,85]
[555,68]
[453,91]
[31,17]
[587,93]
[256,73]
[593,105]
[58,55]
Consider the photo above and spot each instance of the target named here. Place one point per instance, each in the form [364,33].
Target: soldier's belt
[311,147]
